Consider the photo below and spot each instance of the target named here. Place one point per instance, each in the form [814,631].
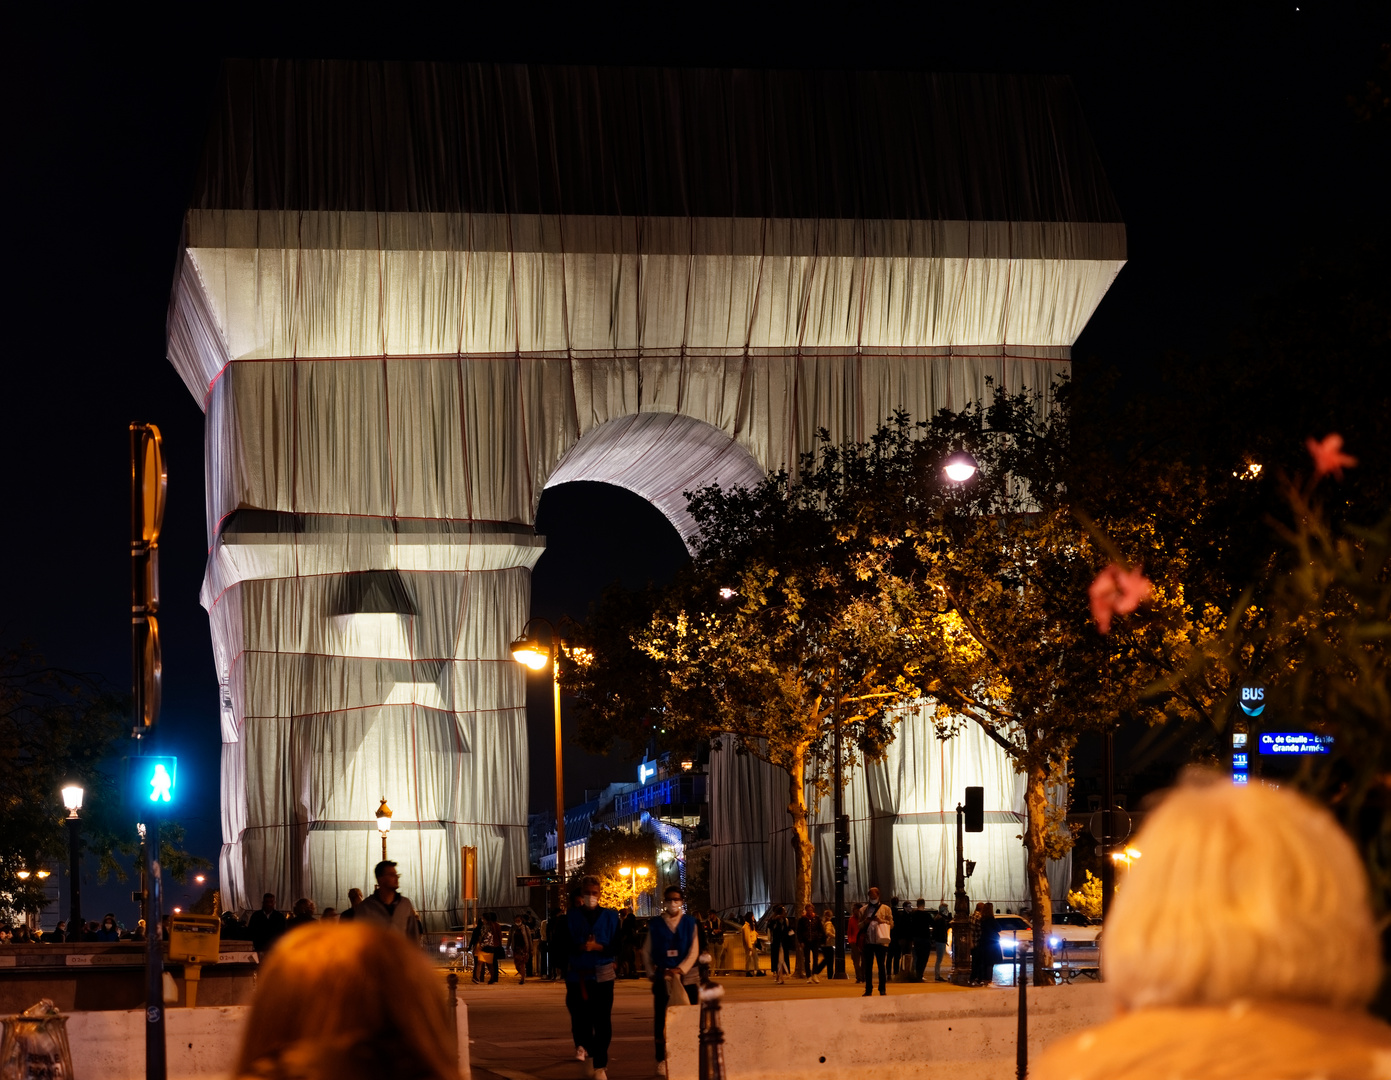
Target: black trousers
[591,1018]
[777,951]
[922,952]
[660,1000]
[881,954]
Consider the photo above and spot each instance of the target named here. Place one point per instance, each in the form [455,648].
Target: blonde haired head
[1241,892]
[338,1001]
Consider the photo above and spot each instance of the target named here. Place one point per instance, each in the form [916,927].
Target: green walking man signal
[152,782]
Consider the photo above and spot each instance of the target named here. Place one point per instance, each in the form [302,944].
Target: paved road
[523,1032]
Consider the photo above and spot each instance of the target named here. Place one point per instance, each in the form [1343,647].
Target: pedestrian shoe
[601,1074]
[661,1068]
[580,1054]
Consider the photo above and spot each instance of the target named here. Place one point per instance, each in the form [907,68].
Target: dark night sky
[1225,137]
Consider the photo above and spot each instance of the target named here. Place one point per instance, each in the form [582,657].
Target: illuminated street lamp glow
[960,467]
[72,799]
[727,593]
[527,650]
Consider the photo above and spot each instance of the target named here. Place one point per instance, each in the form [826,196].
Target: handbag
[879,933]
[676,990]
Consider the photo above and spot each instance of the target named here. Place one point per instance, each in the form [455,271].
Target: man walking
[386,906]
[877,928]
[920,924]
[669,955]
[592,937]
[266,925]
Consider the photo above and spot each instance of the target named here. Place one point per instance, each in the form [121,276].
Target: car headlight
[1054,942]
[1006,945]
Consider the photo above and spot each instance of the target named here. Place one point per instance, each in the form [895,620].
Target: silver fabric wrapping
[902,824]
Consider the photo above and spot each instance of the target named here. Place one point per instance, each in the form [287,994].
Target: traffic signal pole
[148,484]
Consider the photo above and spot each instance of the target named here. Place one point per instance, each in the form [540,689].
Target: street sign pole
[149,483]
[155,1067]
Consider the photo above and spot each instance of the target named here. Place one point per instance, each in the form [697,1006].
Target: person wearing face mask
[670,953]
[592,935]
[109,930]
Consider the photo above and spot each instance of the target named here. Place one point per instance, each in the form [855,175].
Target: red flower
[1329,457]
[1117,591]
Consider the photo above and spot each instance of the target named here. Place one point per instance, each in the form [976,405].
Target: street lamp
[72,799]
[959,467]
[528,650]
[383,824]
[633,874]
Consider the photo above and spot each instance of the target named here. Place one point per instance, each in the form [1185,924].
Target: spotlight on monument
[960,467]
[529,651]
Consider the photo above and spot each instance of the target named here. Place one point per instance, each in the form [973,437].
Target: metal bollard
[711,1036]
[1022,1049]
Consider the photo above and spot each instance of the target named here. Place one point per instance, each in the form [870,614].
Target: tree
[984,586]
[751,641]
[607,851]
[1317,633]
[57,726]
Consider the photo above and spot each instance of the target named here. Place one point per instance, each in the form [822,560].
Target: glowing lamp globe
[72,798]
[960,467]
[527,650]
[383,818]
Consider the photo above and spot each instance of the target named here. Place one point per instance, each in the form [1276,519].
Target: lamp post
[72,799]
[633,873]
[528,650]
[384,824]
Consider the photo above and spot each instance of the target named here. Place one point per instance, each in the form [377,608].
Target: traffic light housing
[151,784]
[842,849]
[974,809]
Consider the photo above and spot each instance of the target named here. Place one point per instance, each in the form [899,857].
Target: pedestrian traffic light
[151,783]
[974,809]
[843,835]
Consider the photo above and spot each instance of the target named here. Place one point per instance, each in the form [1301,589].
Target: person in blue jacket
[592,933]
[670,954]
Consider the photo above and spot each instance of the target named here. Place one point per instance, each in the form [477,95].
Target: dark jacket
[266,928]
[602,925]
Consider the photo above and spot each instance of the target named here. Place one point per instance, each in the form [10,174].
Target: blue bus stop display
[1294,742]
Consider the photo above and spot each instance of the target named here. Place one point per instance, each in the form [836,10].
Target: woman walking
[750,933]
[670,953]
[828,942]
[816,945]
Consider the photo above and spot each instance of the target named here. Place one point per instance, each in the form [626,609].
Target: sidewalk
[523,1032]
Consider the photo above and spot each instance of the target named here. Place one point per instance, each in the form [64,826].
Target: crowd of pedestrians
[1186,956]
[108,929]
[386,906]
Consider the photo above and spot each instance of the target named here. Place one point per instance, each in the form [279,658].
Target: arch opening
[659,457]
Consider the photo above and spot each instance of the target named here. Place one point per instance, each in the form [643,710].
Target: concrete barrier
[200,1042]
[965,1036]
